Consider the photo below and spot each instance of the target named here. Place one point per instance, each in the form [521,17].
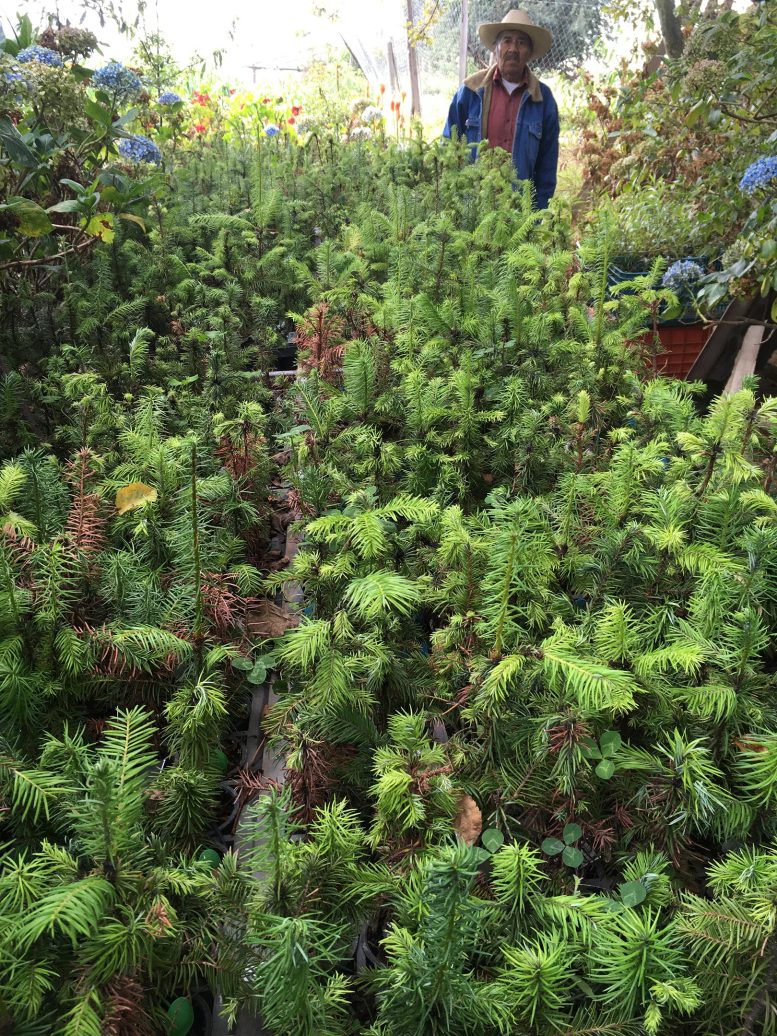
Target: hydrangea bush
[138,148]
[53,202]
[760,175]
[703,128]
[750,263]
[14,87]
[43,55]
[121,82]
[682,275]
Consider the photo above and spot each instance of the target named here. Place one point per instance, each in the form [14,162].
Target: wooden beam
[744,364]
[721,338]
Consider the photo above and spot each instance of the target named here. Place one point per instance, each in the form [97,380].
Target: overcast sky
[260,32]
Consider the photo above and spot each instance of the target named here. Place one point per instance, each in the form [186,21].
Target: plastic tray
[681,344]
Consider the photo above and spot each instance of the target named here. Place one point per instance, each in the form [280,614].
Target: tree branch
[14,263]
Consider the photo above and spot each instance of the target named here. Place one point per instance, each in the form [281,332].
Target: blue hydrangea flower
[169,97]
[115,79]
[44,55]
[682,274]
[16,85]
[271,131]
[759,174]
[140,149]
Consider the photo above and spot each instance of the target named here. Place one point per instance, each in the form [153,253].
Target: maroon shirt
[503,112]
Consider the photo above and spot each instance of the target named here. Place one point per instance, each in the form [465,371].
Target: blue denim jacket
[535,146]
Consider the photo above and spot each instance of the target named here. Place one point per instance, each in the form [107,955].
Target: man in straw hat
[508,106]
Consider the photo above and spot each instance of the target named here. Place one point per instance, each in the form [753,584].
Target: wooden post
[412,63]
[463,40]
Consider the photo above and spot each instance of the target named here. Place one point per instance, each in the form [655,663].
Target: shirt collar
[498,77]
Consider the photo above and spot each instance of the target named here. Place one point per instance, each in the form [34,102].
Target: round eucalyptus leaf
[258,674]
[552,846]
[571,833]
[181,1016]
[572,857]
[632,893]
[492,839]
[613,906]
[610,742]
[605,769]
[589,749]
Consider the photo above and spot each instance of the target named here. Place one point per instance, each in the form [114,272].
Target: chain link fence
[379,45]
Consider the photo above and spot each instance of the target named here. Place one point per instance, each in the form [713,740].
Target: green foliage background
[535,592]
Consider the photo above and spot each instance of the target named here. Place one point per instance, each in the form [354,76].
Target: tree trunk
[412,63]
[671,29]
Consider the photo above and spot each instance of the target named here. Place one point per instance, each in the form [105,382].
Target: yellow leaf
[101,226]
[133,219]
[136,494]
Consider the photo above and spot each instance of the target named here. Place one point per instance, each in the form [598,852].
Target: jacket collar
[485,77]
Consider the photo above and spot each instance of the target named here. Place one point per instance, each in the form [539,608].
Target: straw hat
[520,21]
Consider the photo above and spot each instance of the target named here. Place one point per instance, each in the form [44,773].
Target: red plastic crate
[681,344]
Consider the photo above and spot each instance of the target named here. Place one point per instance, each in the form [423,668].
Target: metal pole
[463,39]
[392,65]
[412,63]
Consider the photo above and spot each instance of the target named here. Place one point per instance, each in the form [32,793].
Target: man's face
[512,55]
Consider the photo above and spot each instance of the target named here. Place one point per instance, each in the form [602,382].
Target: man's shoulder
[478,79]
[539,91]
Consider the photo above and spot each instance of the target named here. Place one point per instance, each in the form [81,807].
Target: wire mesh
[381,51]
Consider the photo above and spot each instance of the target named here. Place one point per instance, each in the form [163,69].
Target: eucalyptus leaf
[245,665]
[590,750]
[571,833]
[552,846]
[258,674]
[492,839]
[632,893]
[572,857]
[610,742]
[180,1016]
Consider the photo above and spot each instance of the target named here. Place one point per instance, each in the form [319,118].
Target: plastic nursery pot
[625,272]
[681,344]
